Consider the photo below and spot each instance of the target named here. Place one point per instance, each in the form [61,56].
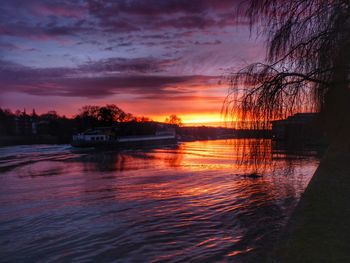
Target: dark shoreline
[319,229]
[30,140]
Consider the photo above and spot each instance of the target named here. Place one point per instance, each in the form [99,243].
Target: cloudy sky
[150,57]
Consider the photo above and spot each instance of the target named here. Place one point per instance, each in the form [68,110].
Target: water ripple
[190,202]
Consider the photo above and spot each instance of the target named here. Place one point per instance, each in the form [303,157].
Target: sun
[200,119]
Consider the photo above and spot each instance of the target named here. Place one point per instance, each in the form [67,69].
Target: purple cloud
[158,7]
[98,48]
[47,19]
[78,82]
[127,66]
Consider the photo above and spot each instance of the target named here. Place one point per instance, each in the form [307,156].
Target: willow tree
[306,66]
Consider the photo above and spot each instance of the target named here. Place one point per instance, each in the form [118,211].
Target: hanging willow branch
[307,59]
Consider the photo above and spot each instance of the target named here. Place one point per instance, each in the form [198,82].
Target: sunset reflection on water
[204,200]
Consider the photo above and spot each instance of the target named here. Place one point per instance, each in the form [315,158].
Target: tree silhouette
[174,119]
[89,111]
[111,113]
[106,115]
[307,63]
[143,119]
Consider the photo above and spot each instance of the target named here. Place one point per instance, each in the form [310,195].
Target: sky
[149,57]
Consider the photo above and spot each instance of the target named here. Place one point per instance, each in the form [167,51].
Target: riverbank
[12,140]
[319,229]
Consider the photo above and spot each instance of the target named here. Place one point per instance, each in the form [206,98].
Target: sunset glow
[174,131]
[197,119]
[151,60]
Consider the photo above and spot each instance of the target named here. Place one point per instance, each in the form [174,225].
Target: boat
[103,137]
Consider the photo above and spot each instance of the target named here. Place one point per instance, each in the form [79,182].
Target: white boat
[101,137]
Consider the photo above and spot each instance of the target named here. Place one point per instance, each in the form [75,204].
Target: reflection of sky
[65,54]
[191,200]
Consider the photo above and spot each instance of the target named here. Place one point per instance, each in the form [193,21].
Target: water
[196,201]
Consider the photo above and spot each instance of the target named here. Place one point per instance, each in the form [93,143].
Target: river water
[223,200]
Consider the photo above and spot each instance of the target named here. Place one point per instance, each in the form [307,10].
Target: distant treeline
[20,127]
[57,128]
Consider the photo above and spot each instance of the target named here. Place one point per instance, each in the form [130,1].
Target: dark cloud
[70,9]
[46,19]
[152,45]
[60,8]
[42,20]
[157,36]
[118,25]
[9,46]
[189,21]
[157,7]
[132,15]
[135,66]
[132,84]
[127,66]
[216,42]
[40,31]
[80,82]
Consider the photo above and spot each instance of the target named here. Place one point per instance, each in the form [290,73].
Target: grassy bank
[319,230]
